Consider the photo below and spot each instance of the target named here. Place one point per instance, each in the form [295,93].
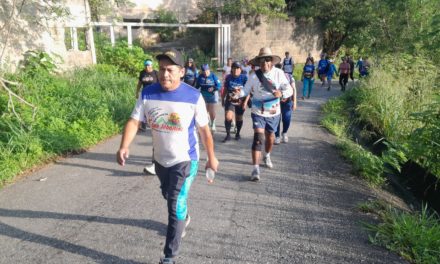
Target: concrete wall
[280,35]
[31,29]
[184,10]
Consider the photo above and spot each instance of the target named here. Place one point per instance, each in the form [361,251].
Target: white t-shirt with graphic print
[174,117]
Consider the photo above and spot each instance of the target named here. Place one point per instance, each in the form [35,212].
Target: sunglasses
[265,59]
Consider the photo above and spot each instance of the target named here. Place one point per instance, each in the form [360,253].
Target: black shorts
[237,109]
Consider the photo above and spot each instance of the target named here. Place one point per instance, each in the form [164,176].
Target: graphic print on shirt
[266,103]
[162,121]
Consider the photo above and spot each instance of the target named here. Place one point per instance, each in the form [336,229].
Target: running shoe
[151,169]
[277,140]
[268,162]
[227,138]
[284,138]
[167,261]
[187,220]
[255,175]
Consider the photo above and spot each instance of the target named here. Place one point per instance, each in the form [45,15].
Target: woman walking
[209,85]
[233,100]
[308,78]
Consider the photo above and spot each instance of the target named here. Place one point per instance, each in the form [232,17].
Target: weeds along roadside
[73,112]
[389,118]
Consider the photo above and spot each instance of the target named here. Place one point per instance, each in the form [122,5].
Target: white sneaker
[187,221]
[213,129]
[268,162]
[277,141]
[151,169]
[285,138]
[255,176]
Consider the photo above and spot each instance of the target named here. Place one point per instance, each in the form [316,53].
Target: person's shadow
[99,257]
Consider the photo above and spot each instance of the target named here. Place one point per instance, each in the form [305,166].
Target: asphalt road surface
[88,209]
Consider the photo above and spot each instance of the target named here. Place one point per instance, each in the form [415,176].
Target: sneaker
[277,140]
[255,176]
[285,138]
[227,138]
[237,137]
[187,220]
[328,89]
[213,129]
[302,98]
[268,162]
[167,261]
[150,170]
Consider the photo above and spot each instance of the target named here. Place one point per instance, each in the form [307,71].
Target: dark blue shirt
[204,83]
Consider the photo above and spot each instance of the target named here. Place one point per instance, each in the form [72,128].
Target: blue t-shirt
[208,85]
[190,76]
[309,69]
[235,88]
[331,70]
[322,66]
[232,83]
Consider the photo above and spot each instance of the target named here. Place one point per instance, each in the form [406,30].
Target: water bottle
[210,175]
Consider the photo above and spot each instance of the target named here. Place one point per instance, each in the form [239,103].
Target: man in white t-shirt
[175,112]
[266,86]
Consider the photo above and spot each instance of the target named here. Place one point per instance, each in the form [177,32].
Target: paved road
[90,210]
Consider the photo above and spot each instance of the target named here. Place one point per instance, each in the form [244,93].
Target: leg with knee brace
[258,141]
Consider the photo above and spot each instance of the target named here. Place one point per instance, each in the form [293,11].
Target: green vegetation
[397,106]
[128,60]
[375,26]
[73,112]
[416,237]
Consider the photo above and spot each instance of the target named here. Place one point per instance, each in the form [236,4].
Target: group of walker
[326,69]
[178,103]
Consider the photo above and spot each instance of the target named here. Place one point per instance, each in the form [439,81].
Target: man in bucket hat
[175,112]
[266,85]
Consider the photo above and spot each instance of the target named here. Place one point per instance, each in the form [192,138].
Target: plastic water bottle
[210,175]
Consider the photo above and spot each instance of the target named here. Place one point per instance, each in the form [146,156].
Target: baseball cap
[173,55]
[148,62]
[205,67]
[236,64]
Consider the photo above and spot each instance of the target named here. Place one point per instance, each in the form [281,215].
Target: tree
[241,8]
[340,20]
[104,7]
[14,13]
[380,26]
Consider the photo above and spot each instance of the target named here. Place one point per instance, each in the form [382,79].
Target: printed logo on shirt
[161,121]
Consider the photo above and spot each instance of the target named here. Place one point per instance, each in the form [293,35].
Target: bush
[128,60]
[64,121]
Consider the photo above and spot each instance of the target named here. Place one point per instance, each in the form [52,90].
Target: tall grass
[415,236]
[74,112]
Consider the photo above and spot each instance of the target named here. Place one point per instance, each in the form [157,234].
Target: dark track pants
[175,183]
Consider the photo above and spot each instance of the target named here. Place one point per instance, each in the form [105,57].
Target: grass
[369,166]
[74,112]
[398,103]
[414,236]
